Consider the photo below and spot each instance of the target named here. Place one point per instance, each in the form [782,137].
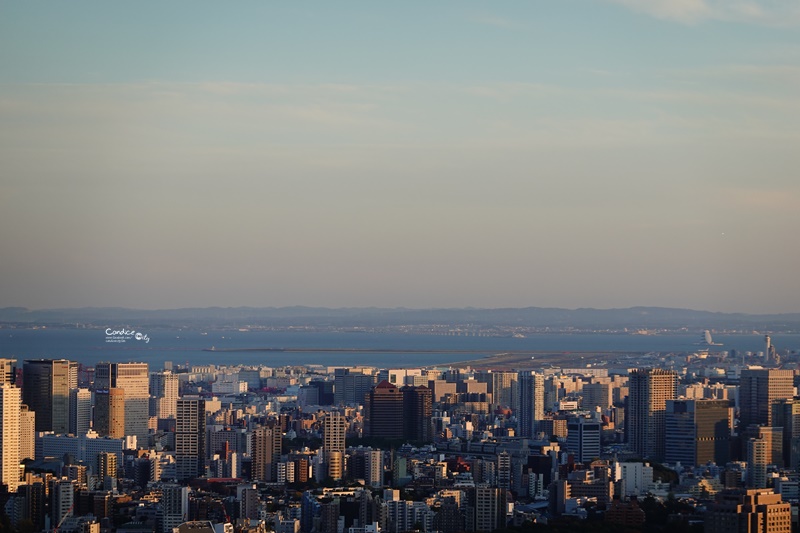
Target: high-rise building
[333,442]
[531,402]
[583,439]
[10,405]
[174,507]
[62,500]
[80,411]
[417,412]
[373,471]
[490,512]
[383,416]
[163,394]
[500,385]
[190,438]
[645,419]
[698,431]
[27,433]
[786,414]
[107,465]
[759,389]
[47,383]
[266,451]
[134,379]
[754,511]
[764,447]
[8,370]
[109,412]
[351,386]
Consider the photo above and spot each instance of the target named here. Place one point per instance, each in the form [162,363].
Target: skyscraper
[334,428]
[698,431]
[383,415]
[47,383]
[645,419]
[417,412]
[759,389]
[351,386]
[531,402]
[109,412]
[164,394]
[134,379]
[80,411]
[27,433]
[10,406]
[8,369]
[190,438]
[786,414]
[266,450]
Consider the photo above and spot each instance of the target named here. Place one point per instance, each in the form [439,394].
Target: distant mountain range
[533,317]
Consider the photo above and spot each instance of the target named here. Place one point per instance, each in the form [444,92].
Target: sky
[553,153]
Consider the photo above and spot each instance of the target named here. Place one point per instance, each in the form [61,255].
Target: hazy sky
[570,153]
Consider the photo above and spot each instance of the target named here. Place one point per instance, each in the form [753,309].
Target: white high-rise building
[531,402]
[164,394]
[134,379]
[10,405]
[80,411]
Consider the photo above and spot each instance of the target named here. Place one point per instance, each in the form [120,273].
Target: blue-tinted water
[180,346]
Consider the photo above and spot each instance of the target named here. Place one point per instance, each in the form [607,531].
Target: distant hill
[538,317]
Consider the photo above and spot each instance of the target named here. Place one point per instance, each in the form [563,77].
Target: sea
[337,348]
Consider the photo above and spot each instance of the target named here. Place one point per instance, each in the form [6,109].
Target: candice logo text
[124,335]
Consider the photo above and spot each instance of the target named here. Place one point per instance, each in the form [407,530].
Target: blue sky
[553,153]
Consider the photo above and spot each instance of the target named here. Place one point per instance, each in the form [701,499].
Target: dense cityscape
[706,440]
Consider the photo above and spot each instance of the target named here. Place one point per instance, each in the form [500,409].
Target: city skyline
[593,153]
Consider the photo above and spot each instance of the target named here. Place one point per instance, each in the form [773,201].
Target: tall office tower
[531,402]
[583,439]
[755,511]
[47,383]
[11,405]
[109,412]
[786,414]
[134,379]
[8,370]
[758,390]
[645,419]
[266,448]
[62,499]
[27,433]
[80,411]
[174,507]
[698,432]
[335,428]
[383,412]
[164,393]
[351,386]
[107,465]
[190,438]
[417,410]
